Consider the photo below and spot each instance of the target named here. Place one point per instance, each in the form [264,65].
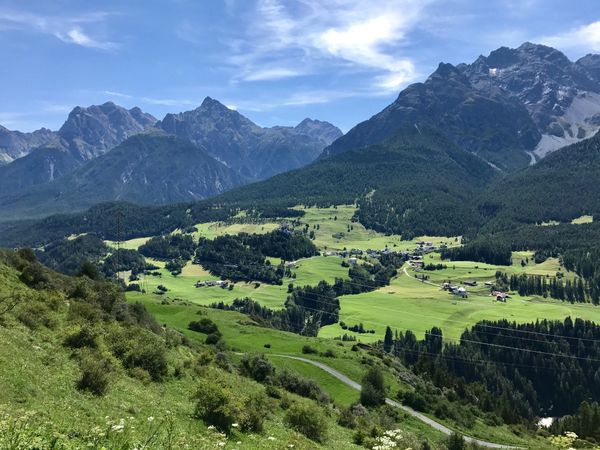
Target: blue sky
[276,61]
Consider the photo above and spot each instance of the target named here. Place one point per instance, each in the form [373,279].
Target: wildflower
[150,419]
[212,427]
[235,425]
[118,428]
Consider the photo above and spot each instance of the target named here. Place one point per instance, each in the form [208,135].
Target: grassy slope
[38,377]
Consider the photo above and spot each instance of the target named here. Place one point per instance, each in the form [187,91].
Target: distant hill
[256,153]
[149,168]
[561,187]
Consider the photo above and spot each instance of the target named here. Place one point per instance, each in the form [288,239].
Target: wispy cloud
[69,29]
[180,102]
[312,37]
[584,37]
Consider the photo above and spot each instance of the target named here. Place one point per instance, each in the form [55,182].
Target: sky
[275,61]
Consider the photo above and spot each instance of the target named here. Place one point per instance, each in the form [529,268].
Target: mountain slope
[42,165]
[562,97]
[415,182]
[491,124]
[561,187]
[254,152]
[86,134]
[14,144]
[149,168]
[90,132]
[512,107]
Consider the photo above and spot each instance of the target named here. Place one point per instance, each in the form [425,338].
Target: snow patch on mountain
[577,123]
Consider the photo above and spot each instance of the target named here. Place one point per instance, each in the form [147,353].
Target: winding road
[423,418]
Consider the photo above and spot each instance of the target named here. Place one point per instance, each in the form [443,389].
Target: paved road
[432,423]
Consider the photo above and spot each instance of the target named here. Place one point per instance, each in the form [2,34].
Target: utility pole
[119,214]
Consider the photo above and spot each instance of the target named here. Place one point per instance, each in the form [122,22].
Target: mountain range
[449,142]
[230,149]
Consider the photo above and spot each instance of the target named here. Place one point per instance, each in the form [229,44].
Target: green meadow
[406,304]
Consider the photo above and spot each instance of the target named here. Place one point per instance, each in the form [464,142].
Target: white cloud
[271,74]
[585,37]
[68,29]
[337,36]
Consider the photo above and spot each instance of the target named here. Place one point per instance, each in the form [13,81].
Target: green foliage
[456,442]
[308,420]
[172,246]
[372,392]
[94,374]
[215,404]
[257,367]
[204,325]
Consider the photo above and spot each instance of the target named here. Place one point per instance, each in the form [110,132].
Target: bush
[373,388]
[307,349]
[455,442]
[214,405]
[308,420]
[149,356]
[212,339]
[204,325]
[302,386]
[94,375]
[328,353]
[257,367]
[256,410]
[85,337]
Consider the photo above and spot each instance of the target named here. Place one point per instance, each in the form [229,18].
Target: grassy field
[131,244]
[408,304]
[405,304]
[210,230]
[333,233]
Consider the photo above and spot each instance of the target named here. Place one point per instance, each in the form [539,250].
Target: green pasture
[333,233]
[409,304]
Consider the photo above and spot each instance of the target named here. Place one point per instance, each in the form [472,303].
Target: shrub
[214,405]
[149,356]
[204,325]
[455,442]
[256,410]
[373,388]
[328,353]
[85,337]
[212,339]
[307,349]
[302,386]
[308,420]
[257,367]
[94,375]
[272,391]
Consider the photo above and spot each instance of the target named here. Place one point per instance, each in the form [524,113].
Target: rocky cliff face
[562,97]
[90,132]
[14,144]
[488,123]
[253,151]
[511,107]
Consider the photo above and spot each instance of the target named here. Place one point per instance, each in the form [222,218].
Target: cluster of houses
[455,290]
[210,283]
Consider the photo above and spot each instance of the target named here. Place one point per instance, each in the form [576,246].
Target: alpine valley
[428,280]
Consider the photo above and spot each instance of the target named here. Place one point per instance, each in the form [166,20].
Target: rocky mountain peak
[322,130]
[91,131]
